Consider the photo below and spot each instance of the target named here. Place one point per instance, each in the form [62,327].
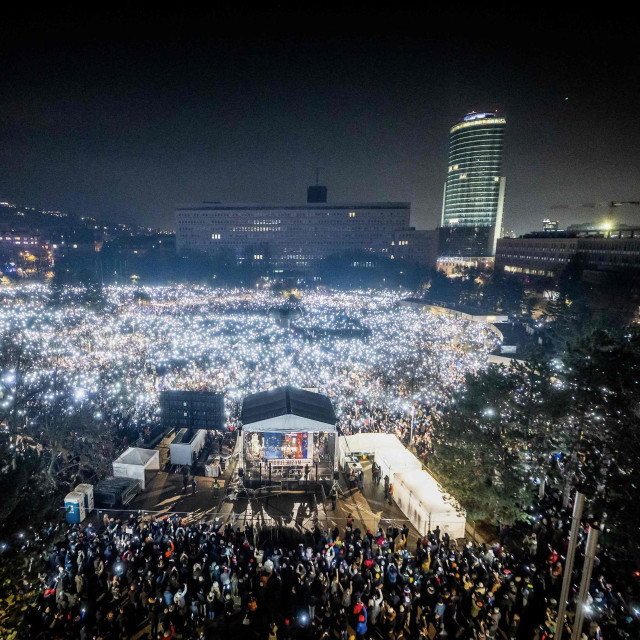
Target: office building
[473,201]
[594,253]
[540,254]
[295,236]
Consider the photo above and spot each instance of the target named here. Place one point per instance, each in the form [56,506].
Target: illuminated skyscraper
[474,191]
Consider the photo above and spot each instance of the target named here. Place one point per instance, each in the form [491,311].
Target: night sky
[124,115]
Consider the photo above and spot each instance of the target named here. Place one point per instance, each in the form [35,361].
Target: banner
[294,446]
[272,446]
[283,462]
[289,446]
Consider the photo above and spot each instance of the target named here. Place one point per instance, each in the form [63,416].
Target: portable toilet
[87,491]
[74,507]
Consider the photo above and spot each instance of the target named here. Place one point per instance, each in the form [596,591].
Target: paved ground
[164,496]
[164,493]
[369,508]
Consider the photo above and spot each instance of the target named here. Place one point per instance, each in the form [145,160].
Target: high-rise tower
[474,191]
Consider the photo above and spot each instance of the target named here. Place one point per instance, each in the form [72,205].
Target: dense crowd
[411,424]
[172,578]
[112,363]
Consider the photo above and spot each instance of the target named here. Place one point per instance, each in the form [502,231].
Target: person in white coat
[179,598]
[375,603]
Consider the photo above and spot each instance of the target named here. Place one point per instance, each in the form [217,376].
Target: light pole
[578,506]
[589,557]
[413,409]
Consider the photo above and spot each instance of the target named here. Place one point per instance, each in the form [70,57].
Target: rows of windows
[474,193]
[469,212]
[528,256]
[488,151]
[255,229]
[529,271]
[235,214]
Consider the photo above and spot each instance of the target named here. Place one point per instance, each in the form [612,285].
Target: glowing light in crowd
[358,346]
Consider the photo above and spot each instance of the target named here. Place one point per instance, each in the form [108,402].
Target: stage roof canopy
[288,409]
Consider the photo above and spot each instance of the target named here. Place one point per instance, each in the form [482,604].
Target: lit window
[352,214]
[215,236]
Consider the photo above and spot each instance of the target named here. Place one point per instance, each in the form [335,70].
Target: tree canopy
[570,419]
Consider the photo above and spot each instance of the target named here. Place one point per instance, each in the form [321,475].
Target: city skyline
[196,427]
[125,119]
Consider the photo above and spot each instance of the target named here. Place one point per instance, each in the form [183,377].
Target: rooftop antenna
[317,193]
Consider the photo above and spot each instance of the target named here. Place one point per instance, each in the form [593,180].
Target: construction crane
[611,206]
[596,205]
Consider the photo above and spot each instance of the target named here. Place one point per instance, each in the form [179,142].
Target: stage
[288,440]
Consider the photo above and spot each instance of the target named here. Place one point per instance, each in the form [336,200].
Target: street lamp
[413,409]
[589,559]
[578,506]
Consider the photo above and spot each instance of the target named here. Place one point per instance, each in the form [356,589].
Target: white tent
[423,501]
[135,462]
[392,456]
[415,491]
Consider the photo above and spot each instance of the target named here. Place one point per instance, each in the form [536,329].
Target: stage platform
[292,478]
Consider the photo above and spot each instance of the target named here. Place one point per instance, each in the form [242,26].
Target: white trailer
[186,446]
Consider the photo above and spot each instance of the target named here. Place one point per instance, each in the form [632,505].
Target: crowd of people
[165,578]
[411,423]
[174,578]
[114,362]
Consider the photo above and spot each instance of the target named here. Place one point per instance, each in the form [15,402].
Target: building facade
[538,255]
[547,254]
[419,246]
[473,201]
[24,253]
[295,236]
